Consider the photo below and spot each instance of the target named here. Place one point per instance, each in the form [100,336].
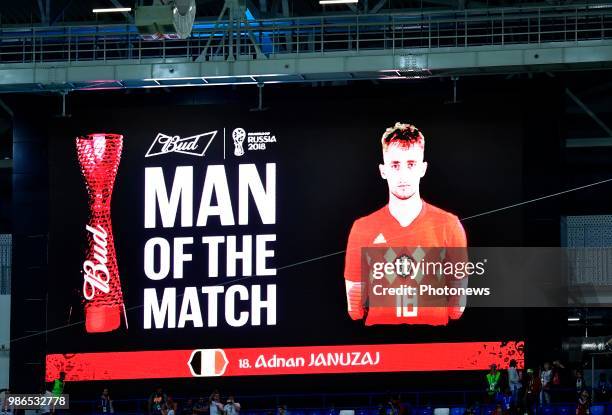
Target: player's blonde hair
[402,134]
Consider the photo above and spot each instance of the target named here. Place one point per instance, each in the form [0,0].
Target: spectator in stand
[579,382]
[603,388]
[171,404]
[390,407]
[156,401]
[532,389]
[215,405]
[231,406]
[493,384]
[282,410]
[45,391]
[558,380]
[105,405]
[200,407]
[396,402]
[507,402]
[57,389]
[5,408]
[59,384]
[545,378]
[187,408]
[584,403]
[514,382]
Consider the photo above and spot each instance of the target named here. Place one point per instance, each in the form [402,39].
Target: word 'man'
[215,200]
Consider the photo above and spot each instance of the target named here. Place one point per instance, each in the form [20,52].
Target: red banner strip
[421,357]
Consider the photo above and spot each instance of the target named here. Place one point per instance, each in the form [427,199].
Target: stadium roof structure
[53,45]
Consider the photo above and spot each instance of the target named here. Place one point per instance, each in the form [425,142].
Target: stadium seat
[487,410]
[566,410]
[548,410]
[598,410]
[441,411]
[458,410]
[423,411]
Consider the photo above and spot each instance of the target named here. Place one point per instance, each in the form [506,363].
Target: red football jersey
[425,238]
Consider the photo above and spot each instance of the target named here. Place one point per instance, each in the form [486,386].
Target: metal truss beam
[590,113]
[128,16]
[306,67]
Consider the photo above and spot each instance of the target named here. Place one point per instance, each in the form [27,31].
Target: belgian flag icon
[207,362]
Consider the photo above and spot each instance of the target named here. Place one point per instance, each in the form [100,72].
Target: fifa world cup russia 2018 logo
[99,156]
[238,135]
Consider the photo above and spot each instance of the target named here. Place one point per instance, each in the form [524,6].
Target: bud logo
[195,145]
[97,275]
[238,135]
[207,362]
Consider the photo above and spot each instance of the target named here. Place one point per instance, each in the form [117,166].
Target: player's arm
[352,275]
[457,242]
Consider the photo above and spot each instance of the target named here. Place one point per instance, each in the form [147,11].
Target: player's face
[403,169]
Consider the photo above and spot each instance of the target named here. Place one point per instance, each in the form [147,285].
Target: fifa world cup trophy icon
[99,156]
[238,135]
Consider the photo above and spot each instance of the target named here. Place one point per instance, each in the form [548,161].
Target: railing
[313,35]
[5,264]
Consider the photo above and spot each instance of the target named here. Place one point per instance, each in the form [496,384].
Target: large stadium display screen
[212,240]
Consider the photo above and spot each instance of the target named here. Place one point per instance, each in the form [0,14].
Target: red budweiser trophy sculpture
[99,156]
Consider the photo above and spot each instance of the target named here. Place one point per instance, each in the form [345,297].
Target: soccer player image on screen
[406,221]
